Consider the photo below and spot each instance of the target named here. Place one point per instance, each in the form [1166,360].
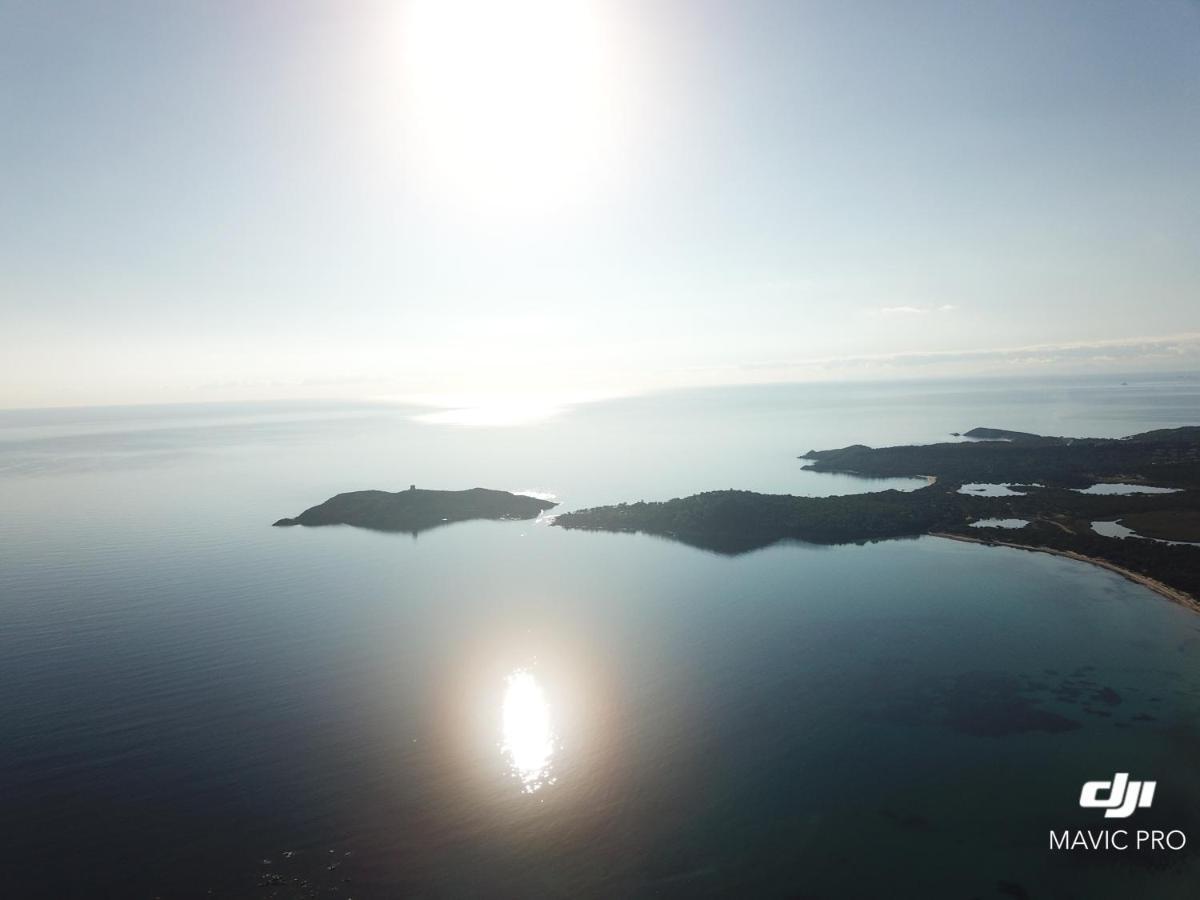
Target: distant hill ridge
[1169,457]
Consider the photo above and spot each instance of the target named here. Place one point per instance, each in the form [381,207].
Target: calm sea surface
[194,704]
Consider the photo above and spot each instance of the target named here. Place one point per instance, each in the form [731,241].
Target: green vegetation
[1182,524]
[418,510]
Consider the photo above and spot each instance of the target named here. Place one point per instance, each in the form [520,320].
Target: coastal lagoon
[193,701]
[1117,530]
[990,490]
[1125,489]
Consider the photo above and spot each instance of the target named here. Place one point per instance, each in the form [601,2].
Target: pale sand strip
[1173,594]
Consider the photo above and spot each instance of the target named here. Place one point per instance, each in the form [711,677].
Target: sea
[196,704]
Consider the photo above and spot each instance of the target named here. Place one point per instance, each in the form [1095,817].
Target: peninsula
[1043,477]
[417,510]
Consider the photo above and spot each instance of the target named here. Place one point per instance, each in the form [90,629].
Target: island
[1000,434]
[416,509]
[1044,479]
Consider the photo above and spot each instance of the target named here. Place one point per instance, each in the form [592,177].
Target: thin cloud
[915,310]
[1176,350]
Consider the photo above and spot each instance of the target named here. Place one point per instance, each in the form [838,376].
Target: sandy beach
[1173,594]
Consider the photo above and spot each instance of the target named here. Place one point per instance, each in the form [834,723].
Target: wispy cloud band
[915,310]
[1181,351]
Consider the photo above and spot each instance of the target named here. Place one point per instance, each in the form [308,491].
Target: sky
[466,202]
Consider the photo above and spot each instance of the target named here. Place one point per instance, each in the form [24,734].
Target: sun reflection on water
[528,730]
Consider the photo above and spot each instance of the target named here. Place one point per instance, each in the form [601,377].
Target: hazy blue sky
[244,199]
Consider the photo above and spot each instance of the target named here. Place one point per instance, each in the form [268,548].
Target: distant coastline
[1043,505]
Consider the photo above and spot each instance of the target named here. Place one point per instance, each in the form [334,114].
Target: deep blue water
[508,709]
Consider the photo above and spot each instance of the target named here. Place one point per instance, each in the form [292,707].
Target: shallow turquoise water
[187,692]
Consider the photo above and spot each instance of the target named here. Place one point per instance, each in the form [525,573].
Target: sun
[513,105]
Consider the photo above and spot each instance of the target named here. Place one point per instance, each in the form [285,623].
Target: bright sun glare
[528,734]
[515,106]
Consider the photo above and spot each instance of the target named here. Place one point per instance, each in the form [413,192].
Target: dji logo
[1118,798]
[1123,798]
